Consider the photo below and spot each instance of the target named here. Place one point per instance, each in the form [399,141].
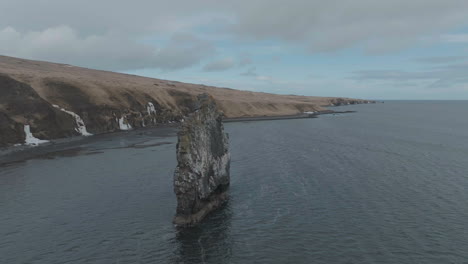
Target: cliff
[21,105]
[201,178]
[59,100]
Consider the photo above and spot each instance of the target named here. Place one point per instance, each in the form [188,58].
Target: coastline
[59,101]
[282,117]
[72,145]
[80,145]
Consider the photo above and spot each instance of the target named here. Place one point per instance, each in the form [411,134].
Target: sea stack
[201,178]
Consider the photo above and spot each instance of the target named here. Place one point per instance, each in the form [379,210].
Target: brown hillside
[102,97]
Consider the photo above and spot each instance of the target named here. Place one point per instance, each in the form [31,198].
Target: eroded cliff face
[202,176]
[20,105]
[347,101]
[68,111]
[59,100]
[124,111]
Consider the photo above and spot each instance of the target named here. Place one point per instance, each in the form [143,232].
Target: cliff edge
[202,176]
[58,100]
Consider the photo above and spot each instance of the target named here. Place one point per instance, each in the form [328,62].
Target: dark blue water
[388,184]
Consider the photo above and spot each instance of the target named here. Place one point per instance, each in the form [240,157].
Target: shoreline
[13,154]
[78,144]
[282,117]
[58,101]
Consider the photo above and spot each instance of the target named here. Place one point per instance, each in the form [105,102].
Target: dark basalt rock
[343,101]
[104,118]
[21,105]
[202,176]
[11,132]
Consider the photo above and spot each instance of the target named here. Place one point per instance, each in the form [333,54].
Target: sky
[373,49]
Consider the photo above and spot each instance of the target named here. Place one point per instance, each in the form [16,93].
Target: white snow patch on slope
[81,127]
[123,125]
[30,139]
[150,108]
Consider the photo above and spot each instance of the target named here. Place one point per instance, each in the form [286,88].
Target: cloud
[183,50]
[317,24]
[438,77]
[455,38]
[392,75]
[264,78]
[252,71]
[220,65]
[107,51]
[98,17]
[440,59]
[325,26]
[94,37]
[245,59]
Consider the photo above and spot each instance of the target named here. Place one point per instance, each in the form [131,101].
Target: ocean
[387,184]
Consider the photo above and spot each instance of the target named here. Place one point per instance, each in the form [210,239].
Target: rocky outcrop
[347,101]
[123,112]
[69,112]
[11,132]
[202,176]
[20,105]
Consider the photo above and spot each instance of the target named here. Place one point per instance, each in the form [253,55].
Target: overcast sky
[379,49]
